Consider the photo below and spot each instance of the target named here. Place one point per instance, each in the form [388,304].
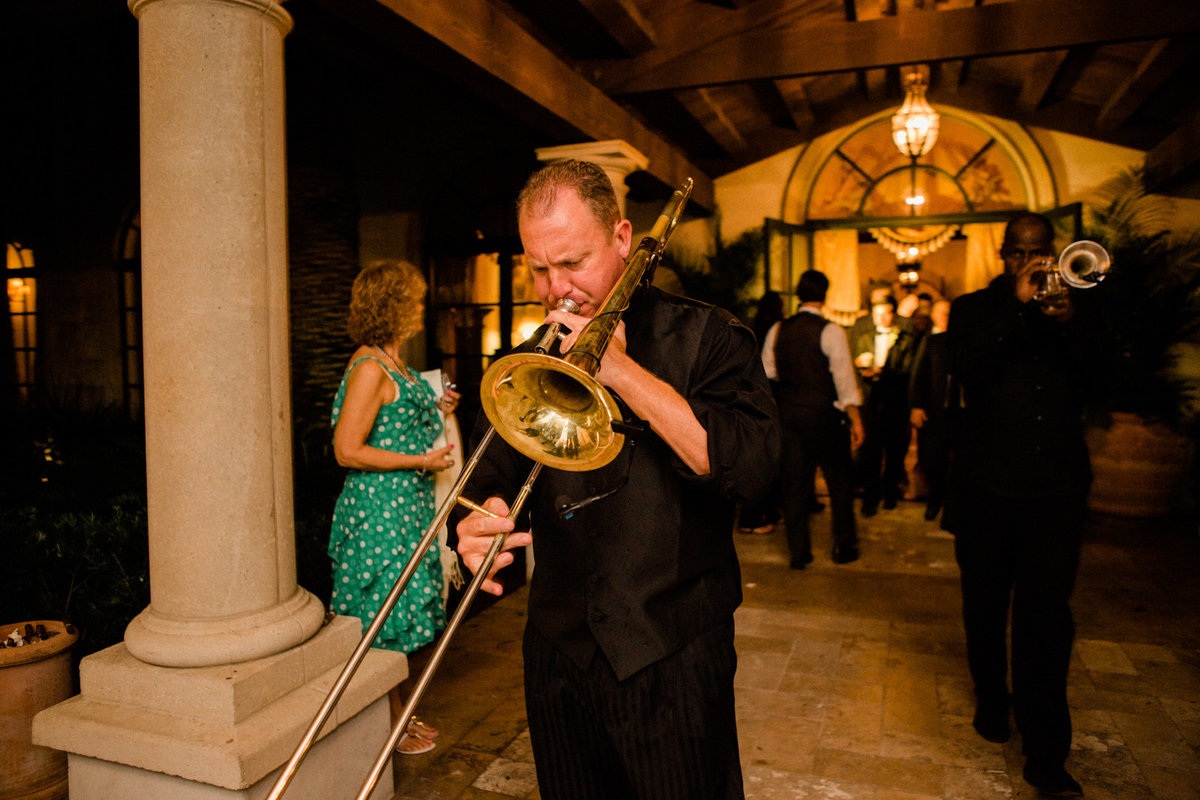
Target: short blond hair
[385,303]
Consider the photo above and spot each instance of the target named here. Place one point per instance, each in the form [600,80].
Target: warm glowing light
[915,125]
[491,341]
[914,251]
[919,200]
[526,329]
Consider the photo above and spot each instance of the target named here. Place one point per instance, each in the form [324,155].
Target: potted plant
[35,673]
[1142,456]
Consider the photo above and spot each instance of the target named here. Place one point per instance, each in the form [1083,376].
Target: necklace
[403,370]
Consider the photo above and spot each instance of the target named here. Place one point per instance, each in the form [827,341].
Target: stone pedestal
[141,731]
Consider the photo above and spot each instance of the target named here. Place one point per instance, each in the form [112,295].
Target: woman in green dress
[385,421]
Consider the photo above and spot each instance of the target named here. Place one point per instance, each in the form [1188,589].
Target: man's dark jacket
[1025,379]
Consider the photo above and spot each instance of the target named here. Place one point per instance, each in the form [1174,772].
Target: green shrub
[89,568]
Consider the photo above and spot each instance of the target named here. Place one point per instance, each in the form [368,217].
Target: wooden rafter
[1038,80]
[772,104]
[624,22]
[1175,163]
[982,31]
[479,39]
[795,97]
[701,105]
[1164,58]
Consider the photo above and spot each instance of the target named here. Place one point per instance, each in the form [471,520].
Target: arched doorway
[858,209]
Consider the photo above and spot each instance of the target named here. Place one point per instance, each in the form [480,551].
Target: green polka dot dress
[379,519]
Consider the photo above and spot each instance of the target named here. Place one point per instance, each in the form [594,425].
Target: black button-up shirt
[641,572]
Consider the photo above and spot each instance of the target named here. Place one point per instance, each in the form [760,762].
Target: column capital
[616,157]
[270,9]
[616,154]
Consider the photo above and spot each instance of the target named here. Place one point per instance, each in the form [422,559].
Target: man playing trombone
[629,657]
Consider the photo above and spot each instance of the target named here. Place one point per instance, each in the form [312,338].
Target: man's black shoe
[869,510]
[931,512]
[816,507]
[889,503]
[1051,781]
[844,555]
[802,561]
[992,723]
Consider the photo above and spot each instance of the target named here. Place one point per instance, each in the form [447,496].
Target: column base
[139,730]
[168,642]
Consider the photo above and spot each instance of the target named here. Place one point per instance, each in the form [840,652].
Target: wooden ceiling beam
[1066,116]
[703,24]
[1164,59]
[951,76]
[708,112]
[795,97]
[1173,167]
[976,32]
[624,22]
[1038,80]
[773,104]
[470,39]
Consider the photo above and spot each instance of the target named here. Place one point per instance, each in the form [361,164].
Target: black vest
[802,368]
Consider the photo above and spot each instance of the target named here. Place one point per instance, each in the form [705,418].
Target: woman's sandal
[421,730]
[414,745]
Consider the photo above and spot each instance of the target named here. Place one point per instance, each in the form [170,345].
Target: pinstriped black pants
[667,732]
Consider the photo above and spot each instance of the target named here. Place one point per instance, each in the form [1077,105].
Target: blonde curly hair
[386,303]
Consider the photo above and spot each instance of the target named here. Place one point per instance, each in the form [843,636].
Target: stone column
[218,678]
[616,157]
[214,305]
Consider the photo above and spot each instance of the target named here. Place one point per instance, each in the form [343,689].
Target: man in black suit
[884,356]
[928,412]
[1021,475]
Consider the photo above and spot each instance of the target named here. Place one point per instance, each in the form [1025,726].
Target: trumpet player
[1020,479]
[628,647]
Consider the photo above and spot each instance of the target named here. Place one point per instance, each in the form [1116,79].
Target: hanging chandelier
[915,125]
[913,244]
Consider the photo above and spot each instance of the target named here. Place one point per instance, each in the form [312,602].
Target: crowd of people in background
[890,385]
[993,386]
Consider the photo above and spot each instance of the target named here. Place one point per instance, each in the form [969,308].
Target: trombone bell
[552,411]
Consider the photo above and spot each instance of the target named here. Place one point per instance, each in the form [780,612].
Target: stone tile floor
[852,680]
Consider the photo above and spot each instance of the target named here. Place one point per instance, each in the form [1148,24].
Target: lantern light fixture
[915,125]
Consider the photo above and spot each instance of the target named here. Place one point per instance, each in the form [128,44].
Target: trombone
[550,409]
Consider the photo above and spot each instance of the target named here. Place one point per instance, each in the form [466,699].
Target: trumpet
[1081,265]
[549,408]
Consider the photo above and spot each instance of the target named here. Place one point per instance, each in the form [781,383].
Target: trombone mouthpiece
[568,305]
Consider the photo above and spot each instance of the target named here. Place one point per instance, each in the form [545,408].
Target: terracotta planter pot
[1139,468]
[32,678]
